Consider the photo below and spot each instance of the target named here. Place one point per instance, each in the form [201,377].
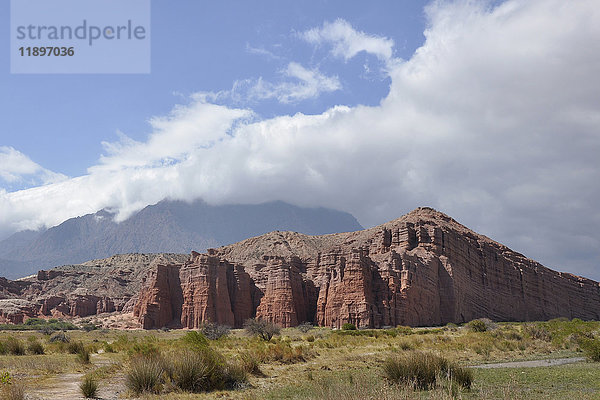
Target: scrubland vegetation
[264,362]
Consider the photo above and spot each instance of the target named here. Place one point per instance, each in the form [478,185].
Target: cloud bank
[494,120]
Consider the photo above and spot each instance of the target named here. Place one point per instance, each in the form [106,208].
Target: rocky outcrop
[422,269]
[96,287]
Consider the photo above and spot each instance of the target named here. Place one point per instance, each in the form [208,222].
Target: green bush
[348,327]
[195,340]
[88,387]
[421,370]
[591,348]
[477,325]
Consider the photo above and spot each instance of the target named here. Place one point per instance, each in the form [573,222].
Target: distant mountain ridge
[166,227]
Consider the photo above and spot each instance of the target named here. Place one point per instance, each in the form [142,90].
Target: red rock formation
[161,300]
[285,299]
[422,269]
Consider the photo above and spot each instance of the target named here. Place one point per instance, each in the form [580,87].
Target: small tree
[258,327]
[214,331]
[348,327]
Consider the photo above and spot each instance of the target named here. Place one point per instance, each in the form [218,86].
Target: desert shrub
[404,330]
[14,346]
[35,347]
[264,329]
[108,347]
[195,340]
[235,376]
[203,370]
[591,348]
[282,352]
[145,374]
[406,345]
[309,338]
[421,370]
[88,387]
[348,327]
[191,371]
[145,348]
[214,331]
[13,391]
[250,363]
[75,347]
[46,330]
[83,355]
[538,332]
[88,327]
[304,327]
[59,337]
[477,325]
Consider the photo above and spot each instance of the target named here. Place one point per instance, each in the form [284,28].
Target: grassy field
[316,363]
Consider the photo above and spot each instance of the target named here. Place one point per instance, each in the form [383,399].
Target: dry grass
[330,364]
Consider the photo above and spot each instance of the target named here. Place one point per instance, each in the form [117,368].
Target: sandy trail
[532,363]
[66,386]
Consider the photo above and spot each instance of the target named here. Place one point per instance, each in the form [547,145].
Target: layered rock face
[421,269]
[96,287]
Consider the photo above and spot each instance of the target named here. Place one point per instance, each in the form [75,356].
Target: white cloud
[16,167]
[494,120]
[348,42]
[299,83]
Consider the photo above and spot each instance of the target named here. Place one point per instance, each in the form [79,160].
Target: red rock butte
[421,269]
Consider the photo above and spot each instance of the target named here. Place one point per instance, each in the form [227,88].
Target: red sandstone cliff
[421,269]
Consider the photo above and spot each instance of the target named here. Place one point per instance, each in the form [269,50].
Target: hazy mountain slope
[166,227]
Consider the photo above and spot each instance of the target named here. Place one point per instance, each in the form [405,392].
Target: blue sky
[488,111]
[59,121]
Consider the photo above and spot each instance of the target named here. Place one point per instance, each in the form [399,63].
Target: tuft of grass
[13,391]
[348,327]
[83,356]
[422,370]
[75,347]
[145,375]
[191,371]
[250,363]
[88,387]
[14,346]
[35,347]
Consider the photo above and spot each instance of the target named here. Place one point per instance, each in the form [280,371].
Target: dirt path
[66,386]
[532,363]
